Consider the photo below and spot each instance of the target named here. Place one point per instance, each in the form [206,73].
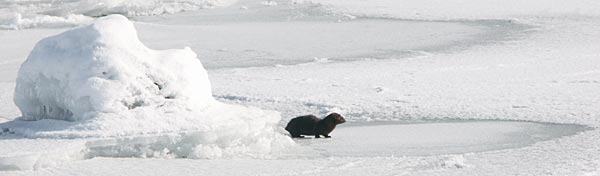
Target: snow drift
[99,80]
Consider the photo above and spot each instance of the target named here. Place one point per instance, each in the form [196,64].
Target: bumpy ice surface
[22,14]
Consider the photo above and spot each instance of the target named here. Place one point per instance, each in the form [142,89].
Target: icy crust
[100,81]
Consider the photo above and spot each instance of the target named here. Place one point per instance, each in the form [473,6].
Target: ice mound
[104,68]
[100,81]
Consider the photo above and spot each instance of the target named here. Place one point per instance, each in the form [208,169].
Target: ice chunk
[104,68]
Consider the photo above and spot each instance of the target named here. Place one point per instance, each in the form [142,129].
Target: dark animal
[312,125]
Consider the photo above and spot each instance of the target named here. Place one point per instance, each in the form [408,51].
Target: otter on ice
[312,125]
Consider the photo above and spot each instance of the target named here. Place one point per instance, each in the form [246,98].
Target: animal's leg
[296,135]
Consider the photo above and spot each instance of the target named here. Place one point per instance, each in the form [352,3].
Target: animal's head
[336,118]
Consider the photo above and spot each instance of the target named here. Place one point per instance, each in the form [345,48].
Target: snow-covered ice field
[476,87]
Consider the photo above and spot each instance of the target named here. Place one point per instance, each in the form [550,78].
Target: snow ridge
[19,14]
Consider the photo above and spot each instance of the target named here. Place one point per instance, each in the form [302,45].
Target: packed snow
[413,78]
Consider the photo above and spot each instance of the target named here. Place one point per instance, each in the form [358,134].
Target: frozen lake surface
[268,43]
[520,81]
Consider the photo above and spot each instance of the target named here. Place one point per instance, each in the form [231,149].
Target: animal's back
[302,124]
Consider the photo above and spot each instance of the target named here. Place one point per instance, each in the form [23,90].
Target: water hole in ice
[387,139]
